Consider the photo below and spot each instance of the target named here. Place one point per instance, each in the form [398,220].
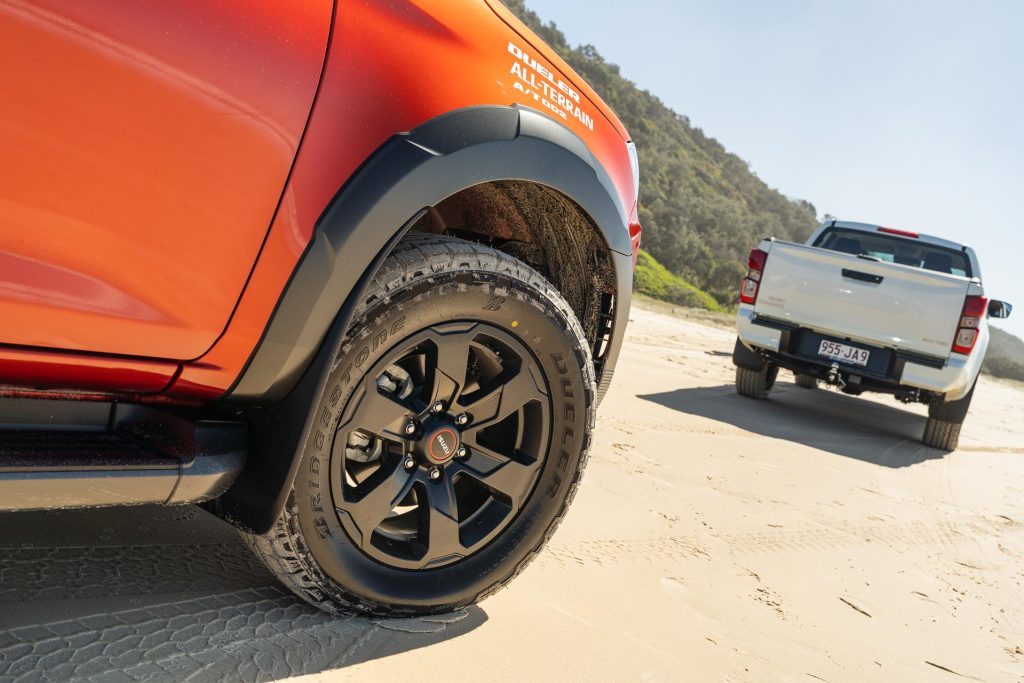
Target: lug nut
[462,419]
[410,428]
[409,463]
[438,407]
[462,452]
[435,473]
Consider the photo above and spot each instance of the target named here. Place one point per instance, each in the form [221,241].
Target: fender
[375,208]
[409,173]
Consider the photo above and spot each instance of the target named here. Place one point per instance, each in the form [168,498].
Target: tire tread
[752,383]
[941,434]
[805,381]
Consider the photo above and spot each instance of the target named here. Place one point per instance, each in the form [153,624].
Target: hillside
[1005,356]
[654,280]
[701,207]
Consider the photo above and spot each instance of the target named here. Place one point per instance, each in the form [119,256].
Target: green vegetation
[654,280]
[1005,357]
[701,207]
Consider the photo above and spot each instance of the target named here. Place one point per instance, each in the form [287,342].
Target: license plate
[843,353]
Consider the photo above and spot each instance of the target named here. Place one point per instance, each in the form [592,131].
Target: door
[144,147]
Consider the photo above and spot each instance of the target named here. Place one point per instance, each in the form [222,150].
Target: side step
[65,454]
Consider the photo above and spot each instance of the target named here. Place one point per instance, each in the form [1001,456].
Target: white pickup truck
[868,308]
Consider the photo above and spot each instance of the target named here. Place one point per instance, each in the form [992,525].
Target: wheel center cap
[442,444]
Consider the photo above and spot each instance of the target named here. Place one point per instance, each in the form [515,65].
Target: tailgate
[887,304]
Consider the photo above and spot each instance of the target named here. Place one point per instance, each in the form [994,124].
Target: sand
[807,537]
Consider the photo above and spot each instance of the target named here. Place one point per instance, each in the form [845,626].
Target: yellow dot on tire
[515,323]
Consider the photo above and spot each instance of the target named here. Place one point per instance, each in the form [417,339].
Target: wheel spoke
[442,522]
[376,504]
[452,365]
[504,400]
[468,377]
[499,472]
[374,411]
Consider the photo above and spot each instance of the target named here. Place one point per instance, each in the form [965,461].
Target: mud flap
[745,358]
[952,411]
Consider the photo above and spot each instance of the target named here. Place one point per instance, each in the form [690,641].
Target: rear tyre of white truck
[756,384]
[805,381]
[941,434]
[942,430]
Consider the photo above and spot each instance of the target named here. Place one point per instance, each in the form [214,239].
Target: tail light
[634,233]
[901,233]
[970,321]
[634,220]
[752,280]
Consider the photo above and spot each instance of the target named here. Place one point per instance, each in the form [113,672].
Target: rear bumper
[755,335]
[953,378]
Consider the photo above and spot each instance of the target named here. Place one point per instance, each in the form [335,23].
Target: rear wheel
[941,434]
[805,381]
[456,424]
[756,383]
[942,430]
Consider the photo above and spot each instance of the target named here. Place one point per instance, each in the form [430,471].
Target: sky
[907,114]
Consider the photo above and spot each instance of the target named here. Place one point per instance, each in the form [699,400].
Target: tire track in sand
[837,536]
[250,635]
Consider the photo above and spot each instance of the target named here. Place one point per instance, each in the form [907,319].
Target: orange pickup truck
[354,275]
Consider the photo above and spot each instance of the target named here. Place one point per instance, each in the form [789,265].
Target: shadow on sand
[170,594]
[826,420]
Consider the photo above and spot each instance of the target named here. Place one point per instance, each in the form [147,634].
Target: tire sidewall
[520,309]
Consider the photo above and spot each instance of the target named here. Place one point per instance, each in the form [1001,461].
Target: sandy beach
[807,537]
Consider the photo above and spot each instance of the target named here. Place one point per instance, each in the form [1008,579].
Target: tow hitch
[834,378]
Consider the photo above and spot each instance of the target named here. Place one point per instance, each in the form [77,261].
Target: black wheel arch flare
[368,216]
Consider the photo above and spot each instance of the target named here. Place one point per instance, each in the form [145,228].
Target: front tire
[451,436]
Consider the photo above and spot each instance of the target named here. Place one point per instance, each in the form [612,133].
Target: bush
[654,280]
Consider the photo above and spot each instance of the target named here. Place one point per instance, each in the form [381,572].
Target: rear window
[894,249]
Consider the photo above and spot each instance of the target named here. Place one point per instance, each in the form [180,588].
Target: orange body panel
[30,372]
[391,66]
[145,146]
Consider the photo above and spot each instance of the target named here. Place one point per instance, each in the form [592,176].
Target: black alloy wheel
[441,445]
